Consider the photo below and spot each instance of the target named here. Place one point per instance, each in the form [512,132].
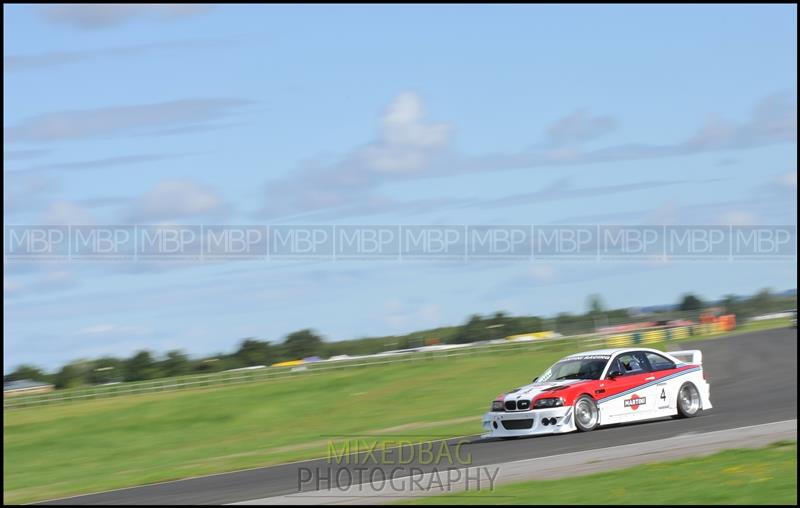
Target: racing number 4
[663,397]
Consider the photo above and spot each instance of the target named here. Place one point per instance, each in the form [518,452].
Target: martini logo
[635,401]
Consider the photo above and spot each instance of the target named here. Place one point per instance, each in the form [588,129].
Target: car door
[665,391]
[627,397]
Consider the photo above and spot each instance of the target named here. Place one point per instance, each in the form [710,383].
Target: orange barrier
[728,322]
[715,324]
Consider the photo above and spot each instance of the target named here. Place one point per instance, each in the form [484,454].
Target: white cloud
[66,213]
[789,180]
[93,330]
[405,141]
[116,120]
[99,16]
[107,329]
[402,316]
[40,280]
[404,146]
[56,279]
[104,163]
[11,286]
[779,186]
[738,218]
[13,155]
[30,61]
[542,273]
[774,119]
[176,199]
[579,127]
[26,193]
[408,147]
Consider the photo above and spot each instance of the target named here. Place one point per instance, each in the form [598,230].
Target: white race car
[607,386]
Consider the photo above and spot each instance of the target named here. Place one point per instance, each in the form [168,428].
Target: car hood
[534,389]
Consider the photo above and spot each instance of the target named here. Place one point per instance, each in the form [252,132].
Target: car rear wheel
[587,416]
[688,401]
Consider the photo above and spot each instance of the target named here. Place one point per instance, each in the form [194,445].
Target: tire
[586,413]
[689,403]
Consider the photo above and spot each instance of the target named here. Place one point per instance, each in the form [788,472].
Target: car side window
[615,366]
[642,359]
[658,362]
[630,364]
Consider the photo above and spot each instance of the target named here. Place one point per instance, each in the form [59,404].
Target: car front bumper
[528,423]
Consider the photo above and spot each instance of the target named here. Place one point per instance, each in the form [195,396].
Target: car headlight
[549,402]
[497,405]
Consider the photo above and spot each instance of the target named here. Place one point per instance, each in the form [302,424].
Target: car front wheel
[587,416]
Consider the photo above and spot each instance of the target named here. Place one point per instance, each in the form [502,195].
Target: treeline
[144,365]
[763,302]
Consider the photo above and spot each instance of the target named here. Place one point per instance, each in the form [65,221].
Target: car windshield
[575,368]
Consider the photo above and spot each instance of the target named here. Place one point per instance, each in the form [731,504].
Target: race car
[586,390]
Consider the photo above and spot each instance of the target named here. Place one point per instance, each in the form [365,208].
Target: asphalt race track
[753,380]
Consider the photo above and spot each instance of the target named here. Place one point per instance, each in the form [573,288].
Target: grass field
[80,447]
[760,476]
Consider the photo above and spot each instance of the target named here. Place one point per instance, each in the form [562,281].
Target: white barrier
[774,315]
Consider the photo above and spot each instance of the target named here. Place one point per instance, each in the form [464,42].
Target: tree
[140,366]
[761,301]
[690,303]
[254,352]
[403,343]
[497,326]
[596,311]
[68,377]
[216,363]
[595,304]
[26,372]
[533,324]
[74,374]
[520,325]
[473,330]
[302,344]
[731,304]
[175,363]
[107,370]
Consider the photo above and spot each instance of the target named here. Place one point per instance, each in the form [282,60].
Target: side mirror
[534,379]
[614,373]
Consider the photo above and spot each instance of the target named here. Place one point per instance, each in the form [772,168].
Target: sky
[381,115]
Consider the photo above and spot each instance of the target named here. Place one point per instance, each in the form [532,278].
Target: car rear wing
[693,356]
